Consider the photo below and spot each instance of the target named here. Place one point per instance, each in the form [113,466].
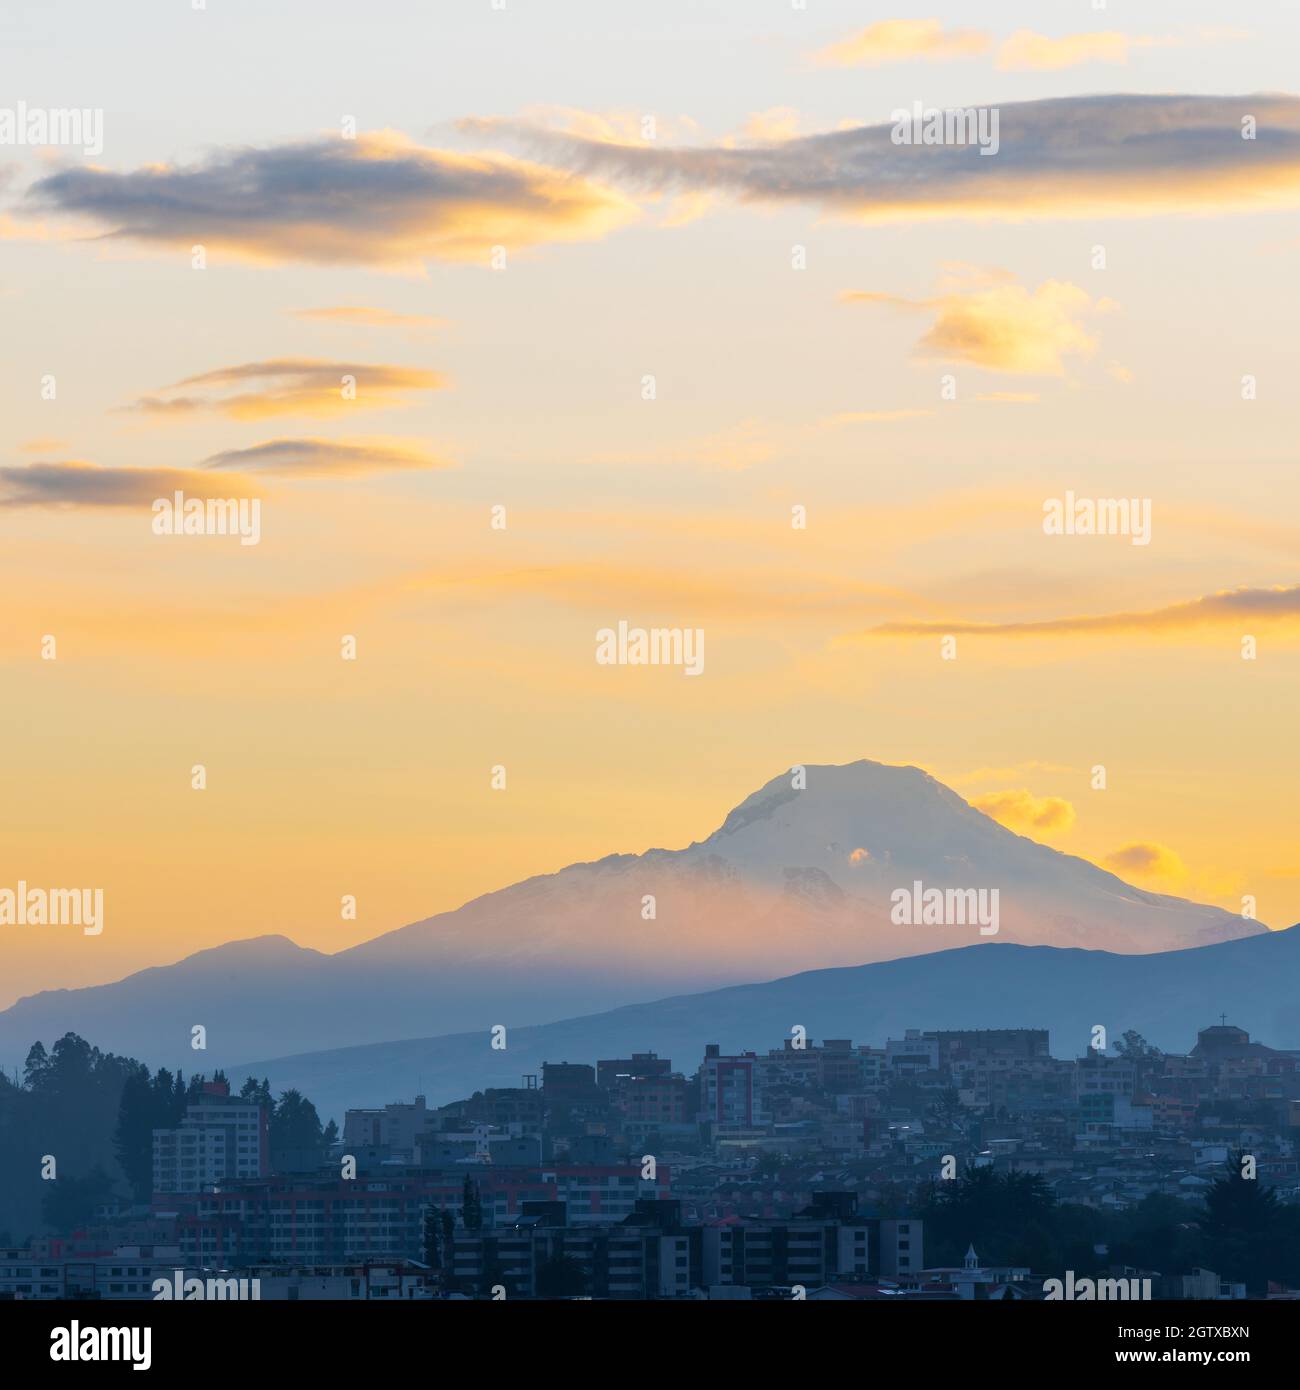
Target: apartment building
[221,1138]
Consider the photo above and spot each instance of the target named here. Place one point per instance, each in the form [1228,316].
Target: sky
[648,283]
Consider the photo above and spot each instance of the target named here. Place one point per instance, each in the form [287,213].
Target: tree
[433,1237]
[257,1092]
[133,1135]
[1161,1232]
[1135,1047]
[69,1203]
[994,1212]
[1250,1236]
[471,1212]
[36,1067]
[295,1127]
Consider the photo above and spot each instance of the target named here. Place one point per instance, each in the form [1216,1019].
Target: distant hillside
[1167,997]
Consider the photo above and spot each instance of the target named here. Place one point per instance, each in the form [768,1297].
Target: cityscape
[943,1165]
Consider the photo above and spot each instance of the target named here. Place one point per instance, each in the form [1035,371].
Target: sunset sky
[521,386]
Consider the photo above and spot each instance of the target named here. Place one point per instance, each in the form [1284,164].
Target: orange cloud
[1146,859]
[776,123]
[903,41]
[293,386]
[1021,810]
[325,458]
[874,417]
[1235,609]
[1002,325]
[1028,50]
[364,316]
[75,483]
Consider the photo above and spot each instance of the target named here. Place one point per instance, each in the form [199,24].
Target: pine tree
[433,1237]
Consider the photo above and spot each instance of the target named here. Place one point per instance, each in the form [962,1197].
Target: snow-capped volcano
[803,874]
[801,878]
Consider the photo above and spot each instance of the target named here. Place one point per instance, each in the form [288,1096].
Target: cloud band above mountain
[377,200]
[1065,156]
[1230,608]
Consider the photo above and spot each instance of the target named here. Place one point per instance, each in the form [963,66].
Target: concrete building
[220,1138]
[650,1255]
[826,1242]
[730,1091]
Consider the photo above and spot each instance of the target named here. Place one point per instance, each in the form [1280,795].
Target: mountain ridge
[793,879]
[1166,996]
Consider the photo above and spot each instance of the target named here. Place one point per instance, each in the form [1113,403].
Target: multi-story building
[396,1128]
[826,1242]
[653,1100]
[649,1255]
[135,1273]
[518,1108]
[325,1219]
[128,1271]
[641,1066]
[221,1137]
[569,1083]
[730,1091]
[913,1052]
[1097,1074]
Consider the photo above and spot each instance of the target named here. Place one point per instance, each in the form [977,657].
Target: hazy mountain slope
[236,991]
[1167,997]
[783,885]
[792,880]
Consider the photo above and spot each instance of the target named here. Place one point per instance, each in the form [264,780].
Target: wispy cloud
[1072,156]
[754,596]
[377,200]
[1230,608]
[323,458]
[75,483]
[365,316]
[1026,49]
[874,417]
[1001,325]
[1029,50]
[291,386]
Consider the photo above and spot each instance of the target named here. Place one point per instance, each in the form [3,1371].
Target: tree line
[89,1116]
